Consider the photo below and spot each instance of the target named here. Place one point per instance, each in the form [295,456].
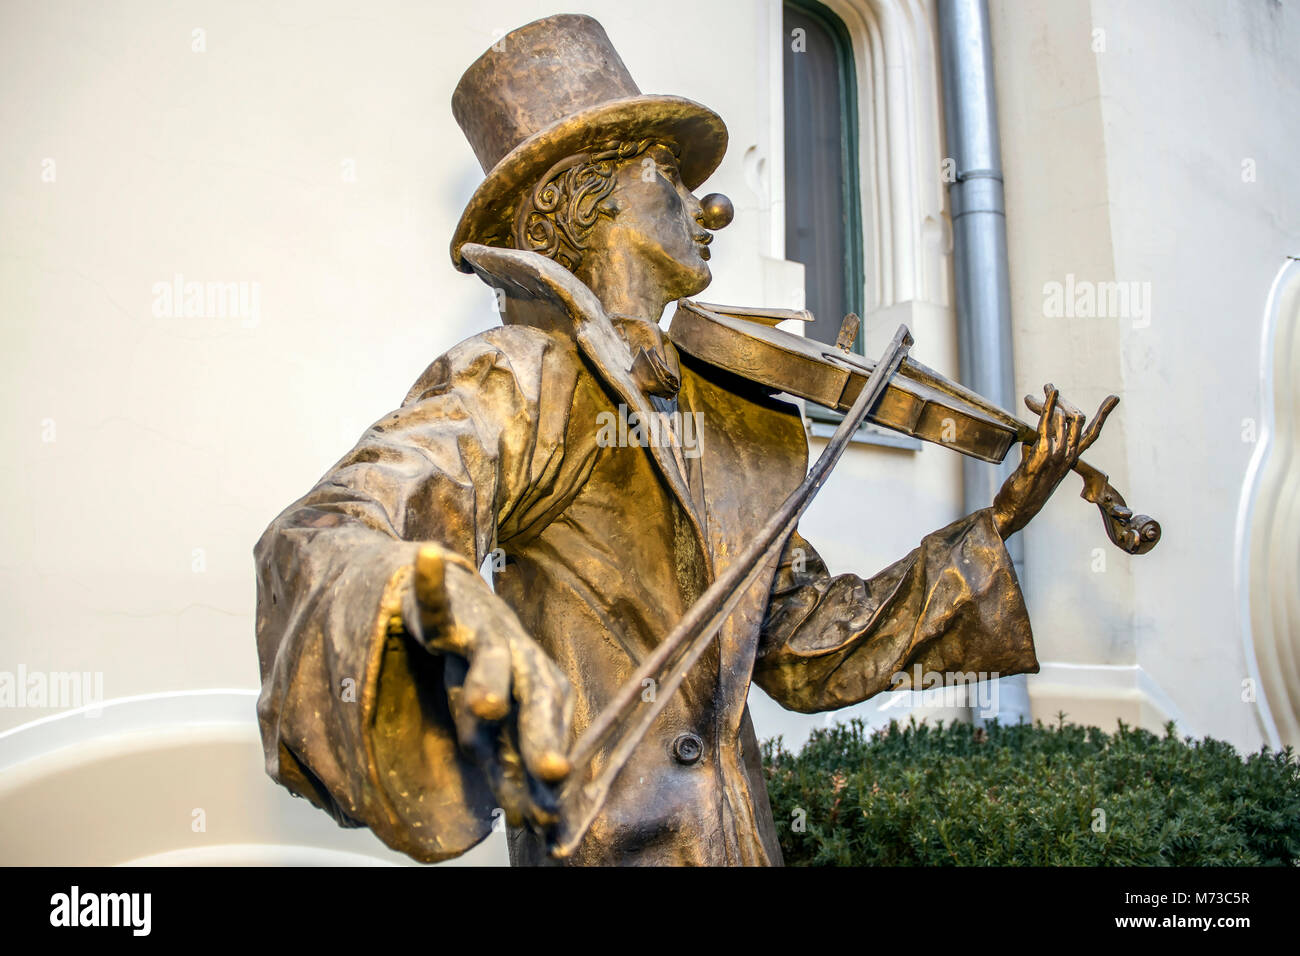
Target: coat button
[688,748]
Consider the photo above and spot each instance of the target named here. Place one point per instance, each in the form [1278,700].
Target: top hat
[553,89]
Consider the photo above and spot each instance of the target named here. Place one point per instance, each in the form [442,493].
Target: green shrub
[924,795]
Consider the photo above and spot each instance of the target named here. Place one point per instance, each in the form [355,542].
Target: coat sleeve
[353,710]
[953,606]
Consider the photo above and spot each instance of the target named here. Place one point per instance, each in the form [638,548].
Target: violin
[916,400]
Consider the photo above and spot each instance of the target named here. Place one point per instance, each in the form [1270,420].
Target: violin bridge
[848,332]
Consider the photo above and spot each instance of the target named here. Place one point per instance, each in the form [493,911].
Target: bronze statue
[636,495]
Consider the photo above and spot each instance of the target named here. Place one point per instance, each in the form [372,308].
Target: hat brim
[695,130]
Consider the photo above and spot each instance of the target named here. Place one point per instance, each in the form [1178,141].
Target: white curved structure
[1268,521]
[167,780]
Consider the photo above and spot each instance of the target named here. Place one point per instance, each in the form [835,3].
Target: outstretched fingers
[487,685]
[1093,431]
[1050,430]
[545,713]
[1089,434]
[1066,430]
[1069,429]
[437,620]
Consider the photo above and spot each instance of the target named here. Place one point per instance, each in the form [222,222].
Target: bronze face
[624,222]
[656,221]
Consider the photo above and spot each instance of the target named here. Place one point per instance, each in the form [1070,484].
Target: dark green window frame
[853,272]
[822,420]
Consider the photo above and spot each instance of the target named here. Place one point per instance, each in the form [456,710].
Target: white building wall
[1150,143]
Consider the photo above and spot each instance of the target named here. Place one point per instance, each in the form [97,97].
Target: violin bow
[623,724]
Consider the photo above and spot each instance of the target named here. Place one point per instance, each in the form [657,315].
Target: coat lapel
[537,281]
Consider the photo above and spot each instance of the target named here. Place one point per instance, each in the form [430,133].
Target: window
[823,207]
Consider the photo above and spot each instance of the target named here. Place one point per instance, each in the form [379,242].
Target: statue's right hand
[511,704]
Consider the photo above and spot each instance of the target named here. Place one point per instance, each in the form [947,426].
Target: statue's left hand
[1062,438]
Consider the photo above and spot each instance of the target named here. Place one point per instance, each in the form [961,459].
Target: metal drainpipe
[980,259]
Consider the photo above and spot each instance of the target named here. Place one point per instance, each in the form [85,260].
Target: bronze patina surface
[611,480]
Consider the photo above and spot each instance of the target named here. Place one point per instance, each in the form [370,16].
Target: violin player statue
[403,693]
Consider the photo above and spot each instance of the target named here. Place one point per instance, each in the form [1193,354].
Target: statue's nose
[716,211]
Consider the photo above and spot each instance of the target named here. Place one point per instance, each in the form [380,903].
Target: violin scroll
[1133,534]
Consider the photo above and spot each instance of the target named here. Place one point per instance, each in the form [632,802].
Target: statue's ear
[612,204]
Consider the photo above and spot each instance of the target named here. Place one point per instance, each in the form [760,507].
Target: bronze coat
[497,446]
